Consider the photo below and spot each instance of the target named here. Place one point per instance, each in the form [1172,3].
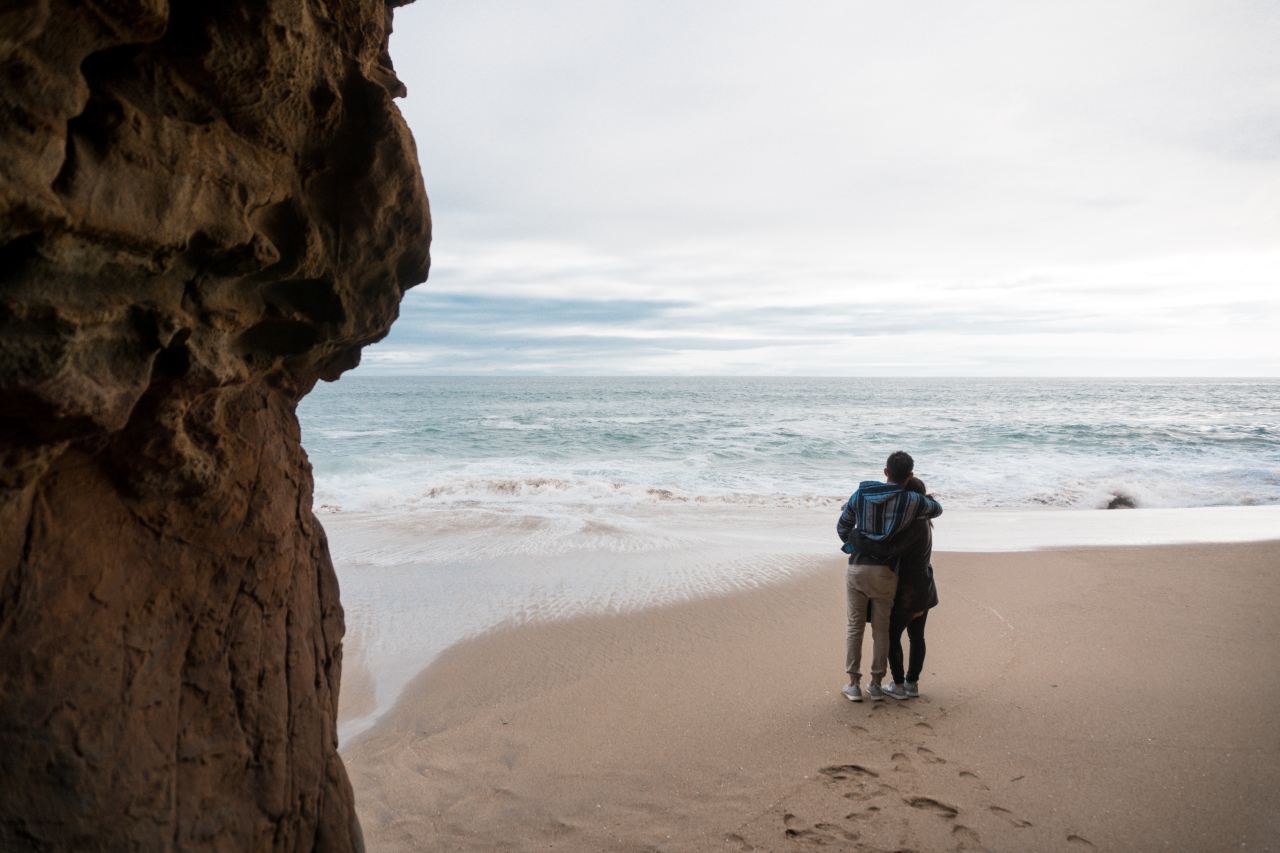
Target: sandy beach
[1118,699]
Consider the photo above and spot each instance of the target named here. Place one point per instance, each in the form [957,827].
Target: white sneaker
[897,691]
[912,689]
[875,691]
[852,692]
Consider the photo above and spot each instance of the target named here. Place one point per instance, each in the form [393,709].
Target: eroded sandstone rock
[204,209]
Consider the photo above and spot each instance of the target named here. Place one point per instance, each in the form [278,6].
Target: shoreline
[1002,530]
[414,584]
[1069,699]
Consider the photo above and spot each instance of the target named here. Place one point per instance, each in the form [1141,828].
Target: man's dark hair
[900,466]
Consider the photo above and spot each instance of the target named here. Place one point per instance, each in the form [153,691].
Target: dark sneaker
[852,692]
[875,691]
[912,689]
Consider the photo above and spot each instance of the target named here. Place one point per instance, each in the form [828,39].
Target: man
[874,515]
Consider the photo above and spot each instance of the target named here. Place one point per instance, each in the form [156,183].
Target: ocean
[383,443]
[457,504]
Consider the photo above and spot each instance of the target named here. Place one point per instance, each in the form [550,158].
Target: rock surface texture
[205,208]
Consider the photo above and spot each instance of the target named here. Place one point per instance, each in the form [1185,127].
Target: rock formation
[205,207]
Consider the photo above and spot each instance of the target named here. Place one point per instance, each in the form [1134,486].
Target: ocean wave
[495,422]
[339,434]
[336,494]
[392,492]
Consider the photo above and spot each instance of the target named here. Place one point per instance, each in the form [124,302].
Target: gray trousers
[876,584]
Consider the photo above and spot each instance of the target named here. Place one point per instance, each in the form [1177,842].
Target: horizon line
[404,375]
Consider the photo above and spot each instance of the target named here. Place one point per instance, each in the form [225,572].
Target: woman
[915,596]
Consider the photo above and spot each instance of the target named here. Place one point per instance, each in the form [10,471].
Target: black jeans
[915,633]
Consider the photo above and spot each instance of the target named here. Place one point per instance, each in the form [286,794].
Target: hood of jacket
[874,491]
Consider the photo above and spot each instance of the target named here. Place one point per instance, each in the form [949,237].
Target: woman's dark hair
[899,466]
[915,484]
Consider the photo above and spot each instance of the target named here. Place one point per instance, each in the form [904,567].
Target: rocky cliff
[205,208]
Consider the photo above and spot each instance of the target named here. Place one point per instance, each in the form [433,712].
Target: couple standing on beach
[888,535]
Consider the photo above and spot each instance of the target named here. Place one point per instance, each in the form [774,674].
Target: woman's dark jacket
[916,589]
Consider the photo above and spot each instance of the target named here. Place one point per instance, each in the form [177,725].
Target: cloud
[766,187]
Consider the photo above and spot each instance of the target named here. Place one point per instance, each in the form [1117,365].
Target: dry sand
[1118,699]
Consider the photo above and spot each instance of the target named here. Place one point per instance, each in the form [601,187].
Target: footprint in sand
[929,755]
[975,779]
[925,727]
[835,831]
[929,804]
[965,837]
[738,841]
[859,729]
[868,814]
[1009,816]
[864,792]
[820,834]
[841,772]
[862,782]
[1079,839]
[901,763]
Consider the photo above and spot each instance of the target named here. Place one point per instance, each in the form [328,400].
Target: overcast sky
[844,188]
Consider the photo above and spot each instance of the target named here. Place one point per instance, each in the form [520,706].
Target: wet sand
[1113,698]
